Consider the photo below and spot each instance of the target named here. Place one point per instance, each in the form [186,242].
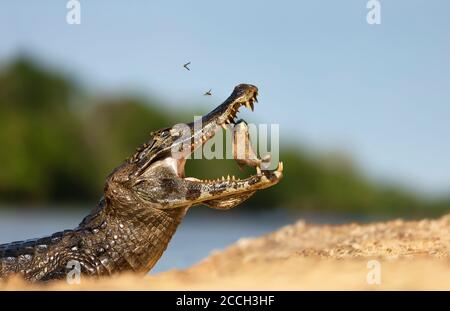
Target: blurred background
[363,109]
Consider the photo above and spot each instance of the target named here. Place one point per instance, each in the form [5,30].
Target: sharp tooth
[247,104]
[227,121]
[233,178]
[224,126]
[280,167]
[252,107]
[204,137]
[223,178]
[258,170]
[256,99]
[228,177]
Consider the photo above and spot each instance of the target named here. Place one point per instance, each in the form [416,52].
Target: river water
[202,231]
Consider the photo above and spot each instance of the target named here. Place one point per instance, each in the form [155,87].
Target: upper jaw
[224,114]
[243,95]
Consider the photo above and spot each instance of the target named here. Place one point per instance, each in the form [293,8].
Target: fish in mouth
[165,155]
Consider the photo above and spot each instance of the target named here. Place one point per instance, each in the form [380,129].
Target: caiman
[143,202]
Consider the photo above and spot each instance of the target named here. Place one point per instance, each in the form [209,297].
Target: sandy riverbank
[411,255]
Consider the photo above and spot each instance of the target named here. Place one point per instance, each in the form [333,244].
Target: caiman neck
[130,237]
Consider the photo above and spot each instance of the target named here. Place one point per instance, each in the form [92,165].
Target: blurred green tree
[53,148]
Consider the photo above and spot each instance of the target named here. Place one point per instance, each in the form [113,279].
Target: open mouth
[224,116]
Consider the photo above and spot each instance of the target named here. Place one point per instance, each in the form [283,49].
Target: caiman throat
[144,201]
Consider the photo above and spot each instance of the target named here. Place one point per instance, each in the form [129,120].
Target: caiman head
[154,176]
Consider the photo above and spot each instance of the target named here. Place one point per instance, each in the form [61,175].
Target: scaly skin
[143,203]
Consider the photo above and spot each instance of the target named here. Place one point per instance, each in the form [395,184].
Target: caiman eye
[164,134]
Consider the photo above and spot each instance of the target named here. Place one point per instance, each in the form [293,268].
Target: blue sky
[378,92]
